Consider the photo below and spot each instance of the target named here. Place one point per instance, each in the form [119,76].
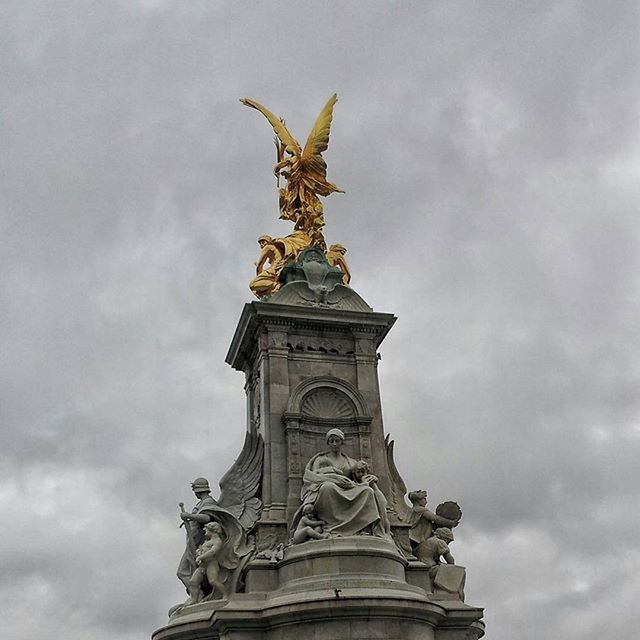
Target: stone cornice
[259,316]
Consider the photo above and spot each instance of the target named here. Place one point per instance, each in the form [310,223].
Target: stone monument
[311,535]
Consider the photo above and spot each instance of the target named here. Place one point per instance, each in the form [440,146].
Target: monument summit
[311,535]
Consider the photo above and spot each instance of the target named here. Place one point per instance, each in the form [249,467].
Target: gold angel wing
[314,165]
[278,126]
[318,139]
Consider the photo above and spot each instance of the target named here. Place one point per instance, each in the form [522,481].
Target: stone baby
[435,547]
[325,466]
[309,527]
[362,474]
[208,567]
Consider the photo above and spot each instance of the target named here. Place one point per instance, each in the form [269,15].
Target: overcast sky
[490,155]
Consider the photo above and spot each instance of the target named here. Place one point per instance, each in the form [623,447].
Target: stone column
[275,394]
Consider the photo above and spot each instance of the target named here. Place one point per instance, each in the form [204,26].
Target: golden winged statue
[305,172]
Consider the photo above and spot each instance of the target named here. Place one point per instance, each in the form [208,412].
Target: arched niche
[315,406]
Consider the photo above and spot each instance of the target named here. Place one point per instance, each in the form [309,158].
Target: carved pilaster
[295,465]
[254,400]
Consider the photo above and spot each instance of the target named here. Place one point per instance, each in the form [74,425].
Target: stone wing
[240,486]
[397,502]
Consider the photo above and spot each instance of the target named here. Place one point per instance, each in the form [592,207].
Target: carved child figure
[208,566]
[447,580]
[324,466]
[431,550]
[309,527]
[362,474]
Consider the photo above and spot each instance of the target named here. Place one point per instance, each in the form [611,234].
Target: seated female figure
[348,507]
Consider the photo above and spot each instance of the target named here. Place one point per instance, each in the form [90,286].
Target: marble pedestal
[356,587]
[310,357]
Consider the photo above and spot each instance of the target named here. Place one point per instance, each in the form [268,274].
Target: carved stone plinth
[333,589]
[310,358]
[308,369]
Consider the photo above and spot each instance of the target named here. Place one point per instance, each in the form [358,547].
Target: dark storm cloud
[489,152]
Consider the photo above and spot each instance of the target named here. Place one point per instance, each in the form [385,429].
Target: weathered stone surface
[340,297]
[448,582]
[333,589]
[310,368]
[343,493]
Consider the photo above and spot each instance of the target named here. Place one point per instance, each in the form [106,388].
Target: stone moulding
[340,297]
[328,618]
[257,315]
[351,587]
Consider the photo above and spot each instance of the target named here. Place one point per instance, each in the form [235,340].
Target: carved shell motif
[327,403]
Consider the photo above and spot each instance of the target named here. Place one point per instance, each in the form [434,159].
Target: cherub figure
[362,474]
[448,578]
[309,527]
[208,567]
[324,466]
[431,550]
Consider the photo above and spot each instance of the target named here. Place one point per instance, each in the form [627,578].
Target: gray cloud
[490,157]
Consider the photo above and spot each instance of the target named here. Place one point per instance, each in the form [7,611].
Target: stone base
[354,588]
